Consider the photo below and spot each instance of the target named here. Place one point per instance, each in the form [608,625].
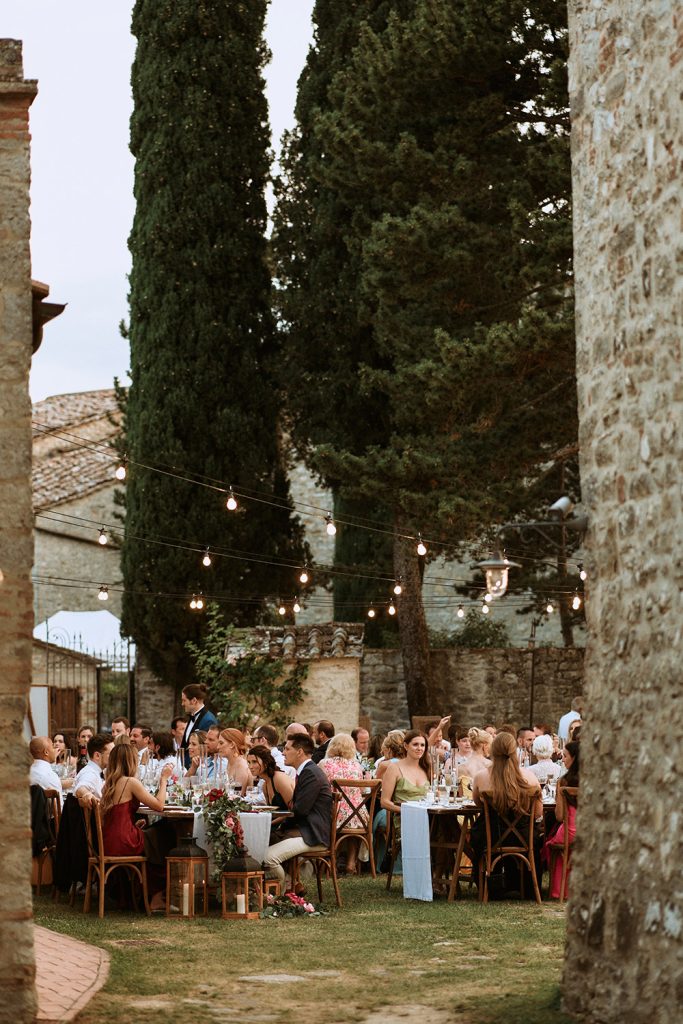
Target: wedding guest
[122,794]
[85,733]
[195,748]
[391,751]
[277,787]
[565,812]
[140,737]
[341,763]
[310,827]
[216,765]
[574,730]
[268,736]
[231,745]
[361,739]
[41,773]
[434,732]
[120,726]
[462,749]
[294,729]
[164,749]
[89,782]
[409,778]
[545,767]
[193,700]
[323,731]
[178,726]
[480,744]
[63,741]
[566,720]
[492,730]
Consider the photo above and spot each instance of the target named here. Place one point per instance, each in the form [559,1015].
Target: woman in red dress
[122,794]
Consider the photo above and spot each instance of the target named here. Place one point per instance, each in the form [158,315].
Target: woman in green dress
[407,779]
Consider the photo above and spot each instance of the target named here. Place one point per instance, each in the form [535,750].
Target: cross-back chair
[101,867]
[323,859]
[515,840]
[356,818]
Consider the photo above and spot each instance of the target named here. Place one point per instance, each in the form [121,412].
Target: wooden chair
[515,840]
[564,850]
[101,866]
[356,822]
[53,815]
[322,859]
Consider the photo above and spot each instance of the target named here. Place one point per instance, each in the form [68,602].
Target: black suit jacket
[320,753]
[312,805]
[205,719]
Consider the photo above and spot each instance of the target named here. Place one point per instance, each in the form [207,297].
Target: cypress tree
[203,401]
[445,137]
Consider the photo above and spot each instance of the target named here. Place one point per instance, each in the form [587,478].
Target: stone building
[17,969]
[625,945]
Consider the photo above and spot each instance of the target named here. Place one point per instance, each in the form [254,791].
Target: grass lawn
[379,958]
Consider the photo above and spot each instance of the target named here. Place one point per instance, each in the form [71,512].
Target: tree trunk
[413,625]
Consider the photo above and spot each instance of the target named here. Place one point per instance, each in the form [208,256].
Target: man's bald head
[42,749]
[293,728]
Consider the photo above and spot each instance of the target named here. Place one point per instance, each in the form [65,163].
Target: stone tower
[625,944]
[16,537]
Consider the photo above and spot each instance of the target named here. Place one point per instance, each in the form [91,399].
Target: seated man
[140,736]
[44,756]
[323,731]
[309,829]
[216,765]
[90,780]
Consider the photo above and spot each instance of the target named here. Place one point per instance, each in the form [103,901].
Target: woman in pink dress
[122,794]
[341,763]
[565,812]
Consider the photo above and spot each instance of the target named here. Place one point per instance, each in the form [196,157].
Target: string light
[398,586]
[206,560]
[421,548]
[103,594]
[231,503]
[576,602]
[330,527]
[488,598]
[282,610]
[550,607]
[371,613]
[485,610]
[460,612]
[121,470]
[296,607]
[392,607]
[103,539]
[193,602]
[200,603]
[583,575]
[303,575]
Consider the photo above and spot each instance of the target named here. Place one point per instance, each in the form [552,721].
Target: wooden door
[63,709]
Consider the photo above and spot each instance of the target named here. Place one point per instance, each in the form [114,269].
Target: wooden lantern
[187,878]
[242,889]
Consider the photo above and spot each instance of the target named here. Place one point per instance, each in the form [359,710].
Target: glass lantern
[242,889]
[496,570]
[187,877]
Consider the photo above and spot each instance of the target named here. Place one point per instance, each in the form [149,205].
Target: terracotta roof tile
[306,643]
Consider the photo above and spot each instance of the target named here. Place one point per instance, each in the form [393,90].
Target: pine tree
[444,140]
[203,401]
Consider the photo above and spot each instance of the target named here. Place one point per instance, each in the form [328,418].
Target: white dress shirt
[43,774]
[89,778]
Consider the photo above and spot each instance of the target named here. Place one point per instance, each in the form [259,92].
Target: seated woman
[276,786]
[232,746]
[63,741]
[565,812]
[122,794]
[409,778]
[196,746]
[545,769]
[510,789]
[480,745]
[392,752]
[340,763]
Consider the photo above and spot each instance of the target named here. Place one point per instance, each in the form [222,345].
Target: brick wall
[16,537]
[476,687]
[625,949]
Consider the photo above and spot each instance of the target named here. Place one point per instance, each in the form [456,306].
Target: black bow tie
[101,775]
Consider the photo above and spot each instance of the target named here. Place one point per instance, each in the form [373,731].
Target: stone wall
[476,687]
[16,537]
[625,944]
[60,669]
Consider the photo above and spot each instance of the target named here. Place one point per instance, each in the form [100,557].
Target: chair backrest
[54,811]
[356,817]
[333,827]
[515,835]
[93,830]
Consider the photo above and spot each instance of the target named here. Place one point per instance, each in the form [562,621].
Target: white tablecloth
[256,828]
[417,865]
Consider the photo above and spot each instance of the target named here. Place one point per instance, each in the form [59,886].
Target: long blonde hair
[509,789]
[122,764]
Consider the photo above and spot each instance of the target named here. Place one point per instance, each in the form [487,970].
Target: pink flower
[309,908]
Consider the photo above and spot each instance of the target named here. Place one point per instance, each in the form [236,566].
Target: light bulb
[282,610]
[303,575]
[576,602]
[200,603]
[331,528]
[193,602]
[392,608]
[550,608]
[583,575]
[460,612]
[398,586]
[103,539]
[206,560]
[371,613]
[421,549]
[485,610]
[103,594]
[488,598]
[231,503]
[296,607]
[120,473]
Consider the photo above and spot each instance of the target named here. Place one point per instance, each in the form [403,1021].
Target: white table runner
[417,865]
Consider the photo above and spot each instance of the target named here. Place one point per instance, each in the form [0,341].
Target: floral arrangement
[290,905]
[223,828]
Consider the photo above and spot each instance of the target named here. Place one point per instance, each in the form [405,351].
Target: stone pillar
[625,942]
[16,538]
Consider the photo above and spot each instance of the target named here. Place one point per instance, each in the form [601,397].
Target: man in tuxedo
[201,718]
[310,827]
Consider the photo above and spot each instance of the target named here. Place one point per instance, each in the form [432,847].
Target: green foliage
[204,399]
[248,688]
[477,630]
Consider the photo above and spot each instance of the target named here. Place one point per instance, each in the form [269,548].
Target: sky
[82,205]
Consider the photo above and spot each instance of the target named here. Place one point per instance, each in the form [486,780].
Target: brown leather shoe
[299,889]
